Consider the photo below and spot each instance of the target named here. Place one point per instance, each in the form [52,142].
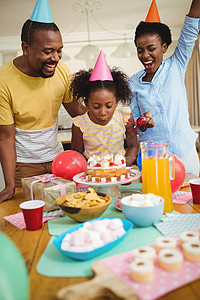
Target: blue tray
[127,225]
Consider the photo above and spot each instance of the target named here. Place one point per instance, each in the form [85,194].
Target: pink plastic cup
[33,213]
[195,188]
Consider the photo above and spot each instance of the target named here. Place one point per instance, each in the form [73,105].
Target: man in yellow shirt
[32,88]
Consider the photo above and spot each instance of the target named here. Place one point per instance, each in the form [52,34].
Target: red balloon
[69,163]
[180,174]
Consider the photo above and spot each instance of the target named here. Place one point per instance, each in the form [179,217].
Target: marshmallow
[93,235]
[115,224]
[142,200]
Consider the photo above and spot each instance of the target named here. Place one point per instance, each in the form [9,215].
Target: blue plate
[127,225]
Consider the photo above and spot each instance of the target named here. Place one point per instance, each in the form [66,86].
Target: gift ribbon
[48,178]
[139,122]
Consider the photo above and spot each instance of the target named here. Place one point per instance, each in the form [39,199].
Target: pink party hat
[153,15]
[101,70]
[41,12]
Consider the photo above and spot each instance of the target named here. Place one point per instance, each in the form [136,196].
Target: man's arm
[8,160]
[194,9]
[75,109]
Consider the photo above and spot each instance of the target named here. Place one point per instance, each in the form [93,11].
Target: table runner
[54,264]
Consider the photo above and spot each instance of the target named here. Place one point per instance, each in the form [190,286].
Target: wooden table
[32,245]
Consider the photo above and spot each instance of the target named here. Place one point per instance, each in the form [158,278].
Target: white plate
[79,178]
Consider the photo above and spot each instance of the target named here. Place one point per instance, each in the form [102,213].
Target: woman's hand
[145,121]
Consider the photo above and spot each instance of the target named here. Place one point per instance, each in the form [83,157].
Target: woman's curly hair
[81,87]
[160,29]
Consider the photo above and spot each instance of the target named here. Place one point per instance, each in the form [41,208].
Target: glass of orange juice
[156,171]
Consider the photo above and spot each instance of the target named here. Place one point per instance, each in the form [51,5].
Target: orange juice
[155,179]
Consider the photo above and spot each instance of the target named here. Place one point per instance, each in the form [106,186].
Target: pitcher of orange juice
[157,170]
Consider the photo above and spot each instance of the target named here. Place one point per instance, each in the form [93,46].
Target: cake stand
[109,188]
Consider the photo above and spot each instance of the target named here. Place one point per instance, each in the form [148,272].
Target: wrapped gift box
[47,187]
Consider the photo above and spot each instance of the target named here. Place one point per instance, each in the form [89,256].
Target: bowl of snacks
[84,206]
[143,210]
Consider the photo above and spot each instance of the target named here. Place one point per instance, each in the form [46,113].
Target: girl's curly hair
[160,29]
[81,87]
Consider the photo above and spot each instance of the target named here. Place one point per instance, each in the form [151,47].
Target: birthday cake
[106,168]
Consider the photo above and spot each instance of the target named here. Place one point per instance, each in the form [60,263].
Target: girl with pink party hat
[102,129]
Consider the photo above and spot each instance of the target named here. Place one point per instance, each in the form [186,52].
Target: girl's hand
[148,121]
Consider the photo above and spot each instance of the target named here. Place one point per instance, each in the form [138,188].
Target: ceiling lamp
[124,50]
[89,52]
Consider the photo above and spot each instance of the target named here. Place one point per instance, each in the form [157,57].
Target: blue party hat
[42,12]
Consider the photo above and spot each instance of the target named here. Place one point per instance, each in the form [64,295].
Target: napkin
[173,223]
[181,197]
[18,220]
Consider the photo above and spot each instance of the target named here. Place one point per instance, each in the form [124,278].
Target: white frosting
[142,265]
[170,256]
[192,247]
[144,252]
[93,160]
[104,162]
[108,157]
[119,159]
[166,242]
[189,236]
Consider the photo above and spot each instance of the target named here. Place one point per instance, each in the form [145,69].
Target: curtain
[192,82]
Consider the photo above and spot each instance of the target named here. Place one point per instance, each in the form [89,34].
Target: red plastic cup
[33,214]
[195,188]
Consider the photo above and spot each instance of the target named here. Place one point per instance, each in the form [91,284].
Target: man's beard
[43,75]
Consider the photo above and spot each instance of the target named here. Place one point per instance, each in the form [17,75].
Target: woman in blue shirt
[160,87]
